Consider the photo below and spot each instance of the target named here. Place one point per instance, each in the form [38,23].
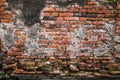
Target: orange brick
[72,9]
[60,18]
[14,13]
[83,19]
[2,17]
[63,29]
[5,21]
[66,14]
[117,34]
[8,16]
[15,53]
[2,1]
[98,22]
[50,9]
[46,13]
[54,14]
[1,9]
[2,5]
[58,10]
[74,26]
[83,10]
[54,41]
[117,27]
[101,15]
[87,7]
[47,25]
[92,3]
[118,31]
[118,7]
[71,18]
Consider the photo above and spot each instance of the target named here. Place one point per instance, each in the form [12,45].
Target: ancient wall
[60,27]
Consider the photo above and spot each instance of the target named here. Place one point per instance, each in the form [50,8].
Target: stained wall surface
[46,27]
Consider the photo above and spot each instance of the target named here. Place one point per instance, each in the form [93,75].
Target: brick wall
[77,29]
[73,29]
[5,16]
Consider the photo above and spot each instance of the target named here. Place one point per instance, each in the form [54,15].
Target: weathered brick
[98,22]
[8,16]
[101,15]
[83,10]
[42,41]
[1,9]
[54,14]
[54,41]
[2,1]
[60,18]
[118,31]
[66,14]
[87,7]
[117,27]
[50,10]
[2,4]
[83,19]
[78,14]
[72,9]
[5,21]
[47,25]
[118,7]
[46,13]
[110,15]
[71,18]
[92,3]
[63,29]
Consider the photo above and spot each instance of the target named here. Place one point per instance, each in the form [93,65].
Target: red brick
[74,26]
[118,7]
[117,27]
[50,10]
[58,10]
[63,29]
[54,14]
[14,13]
[103,7]
[110,15]
[60,18]
[1,9]
[83,19]
[72,30]
[66,14]
[118,2]
[72,9]
[5,21]
[100,27]
[101,15]
[47,25]
[46,13]
[83,10]
[98,22]
[87,7]
[92,3]
[15,53]
[2,1]
[71,18]
[94,11]
[8,16]
[54,41]
[117,34]
[2,4]
[42,41]
[118,31]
